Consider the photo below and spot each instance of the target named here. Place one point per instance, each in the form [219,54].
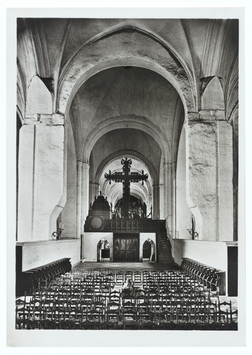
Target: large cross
[125,177]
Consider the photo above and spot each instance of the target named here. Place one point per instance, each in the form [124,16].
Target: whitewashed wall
[211,253]
[91,240]
[182,210]
[68,216]
[43,252]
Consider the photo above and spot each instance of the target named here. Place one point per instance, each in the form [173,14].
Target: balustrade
[128,225]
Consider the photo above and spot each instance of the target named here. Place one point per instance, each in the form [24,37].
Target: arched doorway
[103,250]
[149,250]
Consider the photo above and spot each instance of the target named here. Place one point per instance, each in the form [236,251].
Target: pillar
[155,206]
[209,174]
[85,192]
[169,197]
[93,190]
[173,176]
[79,200]
[225,181]
[26,177]
[165,191]
[41,176]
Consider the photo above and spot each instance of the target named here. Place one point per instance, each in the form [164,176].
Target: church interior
[127,174]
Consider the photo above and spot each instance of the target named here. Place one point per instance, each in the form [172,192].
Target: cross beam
[125,177]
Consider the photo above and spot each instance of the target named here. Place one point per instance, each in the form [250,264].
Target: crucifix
[125,177]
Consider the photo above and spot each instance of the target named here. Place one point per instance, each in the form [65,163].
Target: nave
[127,137]
[94,296]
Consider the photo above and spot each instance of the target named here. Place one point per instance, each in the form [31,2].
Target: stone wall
[183,213]
[90,242]
[68,216]
[209,253]
[36,254]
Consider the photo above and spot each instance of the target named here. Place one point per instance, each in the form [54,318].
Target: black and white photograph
[126,180]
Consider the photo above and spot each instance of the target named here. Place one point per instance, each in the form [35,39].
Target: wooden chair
[113,305]
[113,319]
[145,320]
[129,318]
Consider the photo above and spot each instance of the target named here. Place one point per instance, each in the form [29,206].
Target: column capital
[192,116]
[54,119]
[85,167]
[84,163]
[205,115]
[212,115]
[94,183]
[169,163]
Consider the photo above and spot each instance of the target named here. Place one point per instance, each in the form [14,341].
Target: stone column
[79,200]
[93,191]
[173,173]
[161,202]
[201,174]
[208,174]
[169,198]
[41,176]
[225,181]
[165,191]
[26,183]
[85,192]
[155,207]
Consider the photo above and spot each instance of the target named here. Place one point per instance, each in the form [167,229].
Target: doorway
[232,271]
[103,250]
[126,247]
[149,250]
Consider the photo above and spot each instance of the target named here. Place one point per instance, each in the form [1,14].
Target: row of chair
[121,319]
[41,276]
[106,303]
[212,278]
[81,301]
[117,275]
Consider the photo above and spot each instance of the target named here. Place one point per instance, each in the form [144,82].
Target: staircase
[163,245]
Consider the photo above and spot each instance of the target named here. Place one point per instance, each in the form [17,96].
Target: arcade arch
[125,47]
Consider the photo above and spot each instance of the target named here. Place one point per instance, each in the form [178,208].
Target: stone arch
[130,153]
[102,245]
[148,236]
[144,192]
[138,192]
[153,54]
[140,123]
[149,250]
[21,94]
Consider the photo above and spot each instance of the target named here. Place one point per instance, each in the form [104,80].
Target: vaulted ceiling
[125,93]
[46,47]
[103,74]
